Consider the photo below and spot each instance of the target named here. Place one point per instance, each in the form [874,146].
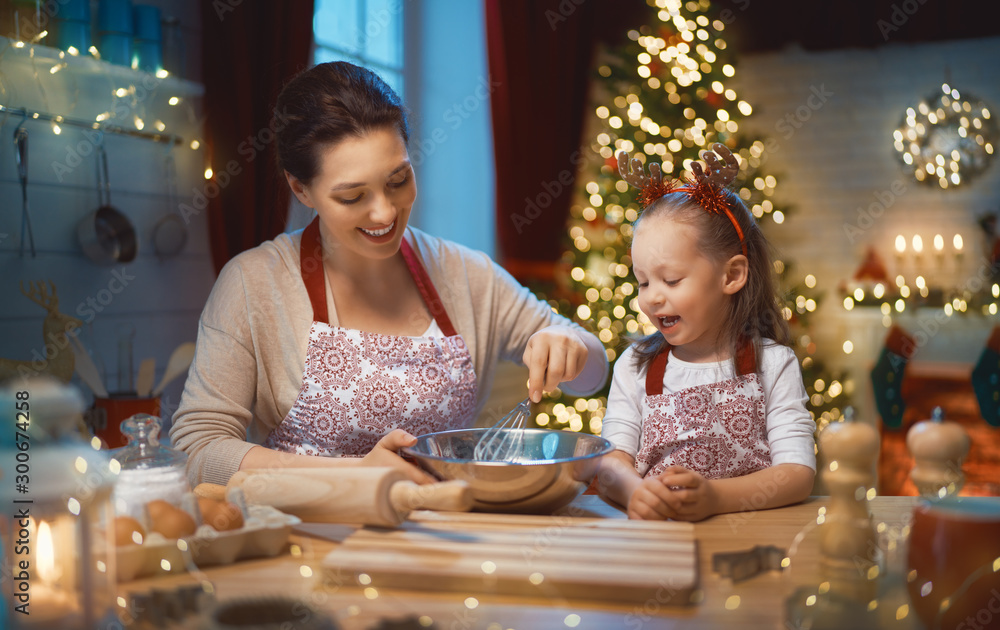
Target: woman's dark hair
[753,312]
[325,104]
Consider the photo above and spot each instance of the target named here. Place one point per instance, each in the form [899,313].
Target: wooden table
[758,602]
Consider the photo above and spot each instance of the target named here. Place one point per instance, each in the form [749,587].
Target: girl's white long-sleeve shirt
[790,429]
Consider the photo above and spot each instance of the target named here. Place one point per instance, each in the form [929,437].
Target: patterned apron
[358,386]
[717,430]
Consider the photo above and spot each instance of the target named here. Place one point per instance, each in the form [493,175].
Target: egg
[128,531]
[170,521]
[220,515]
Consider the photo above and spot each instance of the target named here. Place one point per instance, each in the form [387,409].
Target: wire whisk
[504,441]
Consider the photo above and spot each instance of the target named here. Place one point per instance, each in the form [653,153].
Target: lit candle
[918,243]
[50,606]
[958,243]
[900,245]
[938,242]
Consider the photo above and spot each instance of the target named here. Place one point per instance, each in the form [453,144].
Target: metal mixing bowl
[555,468]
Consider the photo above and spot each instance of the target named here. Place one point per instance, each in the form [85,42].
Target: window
[365,32]
[444,76]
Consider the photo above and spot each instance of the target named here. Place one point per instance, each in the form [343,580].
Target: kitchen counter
[758,602]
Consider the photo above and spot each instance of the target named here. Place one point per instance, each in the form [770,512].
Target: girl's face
[681,291]
[363,192]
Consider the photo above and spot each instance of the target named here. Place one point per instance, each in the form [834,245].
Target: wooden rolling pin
[360,495]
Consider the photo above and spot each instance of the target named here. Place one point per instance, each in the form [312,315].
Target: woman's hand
[553,355]
[385,454]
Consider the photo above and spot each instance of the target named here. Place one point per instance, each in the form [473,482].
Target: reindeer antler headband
[705,189]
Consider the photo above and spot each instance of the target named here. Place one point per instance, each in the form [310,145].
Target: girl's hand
[650,500]
[553,355]
[691,496]
[384,454]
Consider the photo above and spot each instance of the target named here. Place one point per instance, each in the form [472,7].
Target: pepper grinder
[848,549]
[938,449]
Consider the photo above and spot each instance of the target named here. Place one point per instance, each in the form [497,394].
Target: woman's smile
[380,234]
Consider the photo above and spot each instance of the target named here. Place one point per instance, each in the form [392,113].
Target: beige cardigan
[253,333]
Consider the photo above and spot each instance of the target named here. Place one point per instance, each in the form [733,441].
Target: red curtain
[540,53]
[539,56]
[249,51]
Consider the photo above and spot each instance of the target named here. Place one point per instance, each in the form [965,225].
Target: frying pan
[106,235]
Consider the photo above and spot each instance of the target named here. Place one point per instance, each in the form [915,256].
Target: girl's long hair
[754,312]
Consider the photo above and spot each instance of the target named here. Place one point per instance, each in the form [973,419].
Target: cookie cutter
[742,565]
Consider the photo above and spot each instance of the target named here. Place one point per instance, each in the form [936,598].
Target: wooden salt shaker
[938,449]
[849,553]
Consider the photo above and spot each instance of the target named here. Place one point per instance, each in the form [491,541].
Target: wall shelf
[43,83]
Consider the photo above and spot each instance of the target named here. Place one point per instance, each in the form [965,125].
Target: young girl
[707,413]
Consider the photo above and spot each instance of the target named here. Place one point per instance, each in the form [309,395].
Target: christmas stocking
[986,380]
[887,376]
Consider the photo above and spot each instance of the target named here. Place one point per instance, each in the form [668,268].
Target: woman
[348,337]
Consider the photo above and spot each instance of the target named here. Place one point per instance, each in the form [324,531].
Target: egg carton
[264,534]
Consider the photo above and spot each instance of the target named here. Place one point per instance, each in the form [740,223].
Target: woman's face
[363,192]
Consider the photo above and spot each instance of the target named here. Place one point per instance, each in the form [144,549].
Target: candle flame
[46,555]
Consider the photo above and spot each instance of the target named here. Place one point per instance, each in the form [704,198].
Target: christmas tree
[664,97]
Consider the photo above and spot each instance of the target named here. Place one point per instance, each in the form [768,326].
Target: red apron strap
[427,290]
[746,359]
[311,263]
[654,374]
[746,363]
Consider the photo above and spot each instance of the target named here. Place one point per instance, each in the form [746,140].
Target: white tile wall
[842,155]
[161,297]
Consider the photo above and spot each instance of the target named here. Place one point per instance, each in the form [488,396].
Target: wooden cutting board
[550,557]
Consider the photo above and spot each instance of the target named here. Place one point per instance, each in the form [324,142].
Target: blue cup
[147,56]
[147,49]
[72,33]
[116,48]
[73,11]
[114,16]
[146,23]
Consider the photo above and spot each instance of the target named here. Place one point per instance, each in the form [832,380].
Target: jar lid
[144,450]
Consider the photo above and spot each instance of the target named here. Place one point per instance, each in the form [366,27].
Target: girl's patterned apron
[358,386]
[717,430]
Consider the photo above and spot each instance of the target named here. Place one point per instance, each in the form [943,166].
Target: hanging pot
[106,235]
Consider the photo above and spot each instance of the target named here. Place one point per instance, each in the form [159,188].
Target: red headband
[705,189]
